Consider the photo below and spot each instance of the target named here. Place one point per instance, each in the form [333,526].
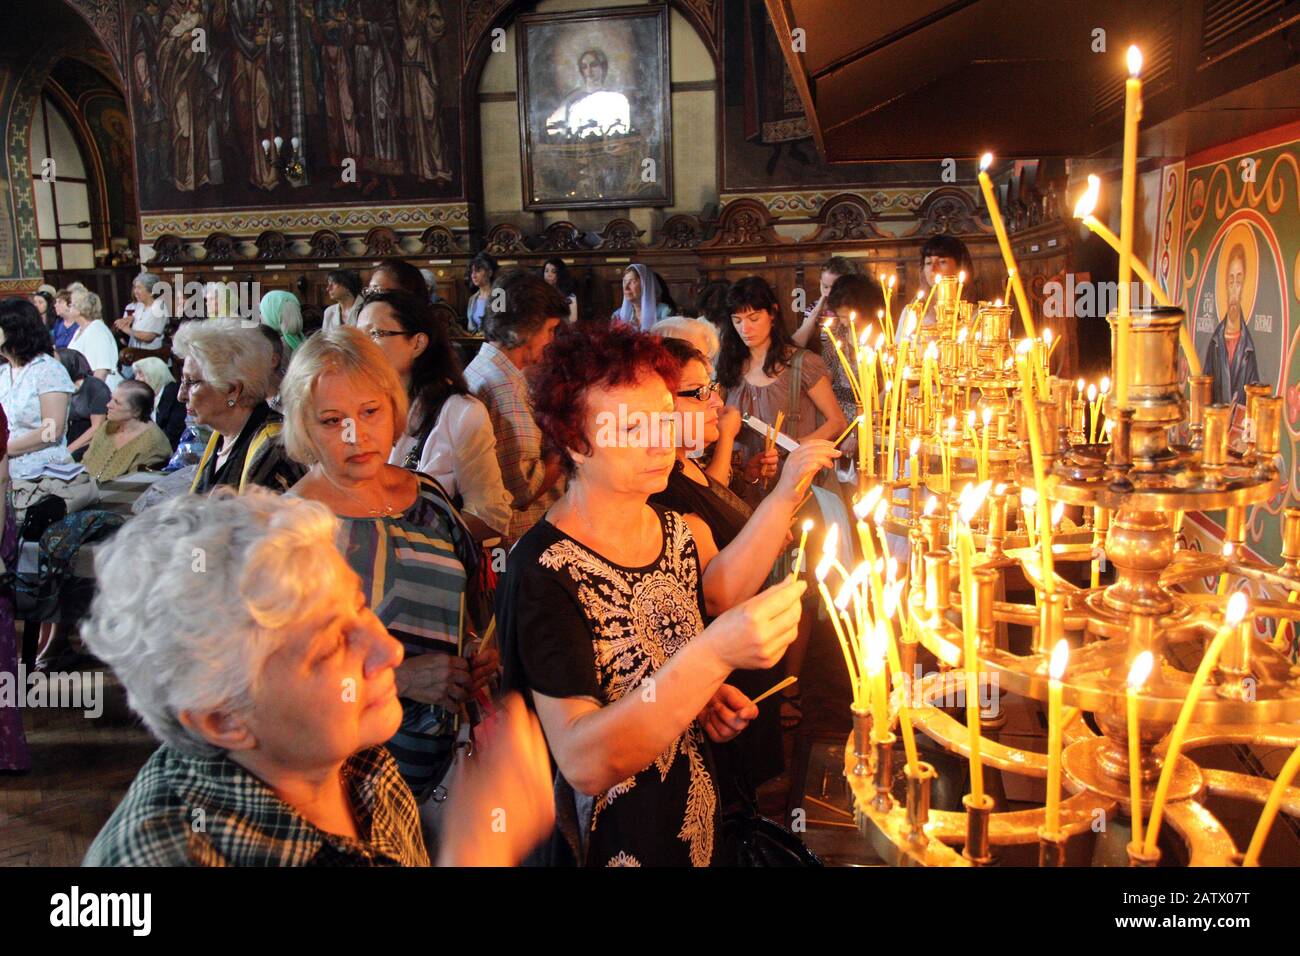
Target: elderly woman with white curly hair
[272,693]
[229,373]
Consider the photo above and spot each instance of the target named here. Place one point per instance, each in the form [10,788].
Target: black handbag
[754,840]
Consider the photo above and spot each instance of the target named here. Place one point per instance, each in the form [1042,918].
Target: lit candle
[971,501]
[1004,244]
[1092,414]
[1232,619]
[1127,204]
[1083,210]
[1137,676]
[914,462]
[823,568]
[877,643]
[1056,670]
[1271,807]
[1040,473]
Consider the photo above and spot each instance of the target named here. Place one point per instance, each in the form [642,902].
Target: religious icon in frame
[595,117]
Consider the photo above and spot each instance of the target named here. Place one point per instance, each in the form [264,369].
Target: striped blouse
[413,581]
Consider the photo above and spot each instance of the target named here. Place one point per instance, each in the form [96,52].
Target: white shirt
[96,342]
[461,455]
[331,318]
[151,319]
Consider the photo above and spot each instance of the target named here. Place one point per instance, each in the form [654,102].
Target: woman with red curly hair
[603,607]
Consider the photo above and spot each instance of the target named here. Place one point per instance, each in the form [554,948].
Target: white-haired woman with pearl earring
[273,692]
[228,374]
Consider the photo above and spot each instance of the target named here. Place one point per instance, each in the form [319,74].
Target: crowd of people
[548,583]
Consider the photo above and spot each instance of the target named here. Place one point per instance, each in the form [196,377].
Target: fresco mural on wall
[1239,278]
[370,89]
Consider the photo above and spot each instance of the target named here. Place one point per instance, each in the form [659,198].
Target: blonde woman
[418,562]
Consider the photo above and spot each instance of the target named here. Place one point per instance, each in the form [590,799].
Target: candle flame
[1141,669]
[988,416]
[1105,384]
[830,544]
[1237,606]
[864,505]
[891,572]
[806,526]
[877,645]
[1227,549]
[1028,497]
[1025,347]
[961,276]
[985,162]
[997,303]
[1134,58]
[1060,657]
[845,593]
[961,335]
[893,280]
[1047,337]
[930,504]
[882,509]
[974,500]
[1092,393]
[1088,201]
[1079,386]
[915,446]
[932,352]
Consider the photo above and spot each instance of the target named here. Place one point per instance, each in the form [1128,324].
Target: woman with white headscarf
[641,307]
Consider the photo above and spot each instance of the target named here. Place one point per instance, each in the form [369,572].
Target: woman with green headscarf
[282,313]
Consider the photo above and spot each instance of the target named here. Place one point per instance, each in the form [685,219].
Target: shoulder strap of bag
[268,432]
[208,452]
[793,404]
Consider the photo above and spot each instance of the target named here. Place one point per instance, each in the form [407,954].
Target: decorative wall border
[304,221]
[903,202]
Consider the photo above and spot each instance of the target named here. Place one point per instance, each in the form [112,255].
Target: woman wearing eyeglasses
[448,433]
[228,374]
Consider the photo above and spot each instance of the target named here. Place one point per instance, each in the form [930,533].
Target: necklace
[387,511]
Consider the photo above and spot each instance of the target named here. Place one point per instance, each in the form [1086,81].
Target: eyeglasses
[701,394]
[380,334]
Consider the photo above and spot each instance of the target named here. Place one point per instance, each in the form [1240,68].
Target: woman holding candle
[766,374]
[718,518]
[603,610]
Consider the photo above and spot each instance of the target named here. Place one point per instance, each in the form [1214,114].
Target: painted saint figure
[1230,354]
[181,78]
[332,32]
[422,26]
[255,37]
[591,110]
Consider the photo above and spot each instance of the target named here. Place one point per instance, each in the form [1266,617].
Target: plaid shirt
[499,384]
[184,810]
